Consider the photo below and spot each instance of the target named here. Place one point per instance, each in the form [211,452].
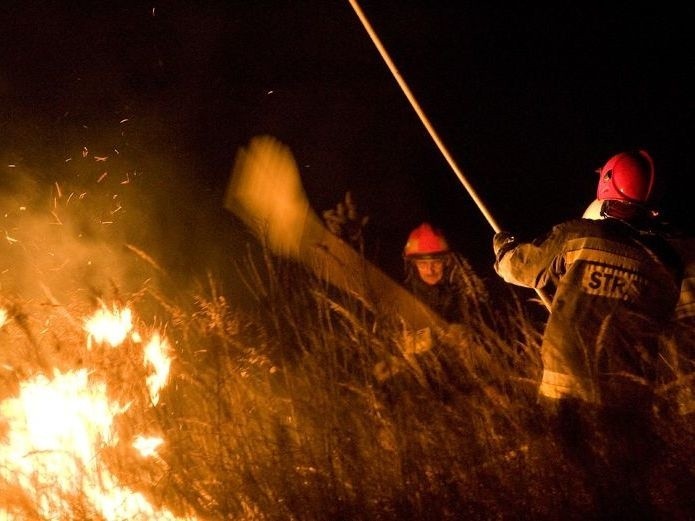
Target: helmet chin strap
[625,210]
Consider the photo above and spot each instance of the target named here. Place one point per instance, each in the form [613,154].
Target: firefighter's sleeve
[528,263]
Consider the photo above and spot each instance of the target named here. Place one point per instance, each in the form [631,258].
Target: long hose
[430,129]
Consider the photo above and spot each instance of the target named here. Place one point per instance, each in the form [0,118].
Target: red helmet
[628,176]
[425,241]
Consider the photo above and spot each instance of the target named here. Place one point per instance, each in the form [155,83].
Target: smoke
[65,228]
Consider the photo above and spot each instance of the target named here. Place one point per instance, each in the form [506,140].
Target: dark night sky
[529,100]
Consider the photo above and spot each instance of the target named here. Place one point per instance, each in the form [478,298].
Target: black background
[529,100]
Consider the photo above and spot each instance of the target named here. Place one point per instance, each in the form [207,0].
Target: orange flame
[156,356]
[147,446]
[56,429]
[109,326]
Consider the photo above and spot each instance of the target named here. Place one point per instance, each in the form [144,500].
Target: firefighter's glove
[502,242]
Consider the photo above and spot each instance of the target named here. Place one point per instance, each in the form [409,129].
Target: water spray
[430,129]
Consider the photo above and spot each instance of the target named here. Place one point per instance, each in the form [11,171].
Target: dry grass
[276,414]
[275,411]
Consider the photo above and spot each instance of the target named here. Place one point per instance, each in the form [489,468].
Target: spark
[144,256]
[58,190]
[100,158]
[102,177]
[57,219]
[85,152]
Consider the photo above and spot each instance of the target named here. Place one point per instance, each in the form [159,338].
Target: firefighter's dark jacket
[444,298]
[615,286]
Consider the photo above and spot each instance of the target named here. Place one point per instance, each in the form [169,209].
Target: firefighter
[445,281]
[430,272]
[441,279]
[616,283]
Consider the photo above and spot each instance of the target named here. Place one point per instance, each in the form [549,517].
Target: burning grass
[132,401]
[277,413]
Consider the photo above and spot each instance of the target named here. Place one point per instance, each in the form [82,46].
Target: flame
[110,326]
[156,356]
[147,446]
[55,431]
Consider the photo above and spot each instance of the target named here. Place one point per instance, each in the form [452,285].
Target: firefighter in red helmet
[427,248]
[430,271]
[619,266]
[616,283]
[443,280]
